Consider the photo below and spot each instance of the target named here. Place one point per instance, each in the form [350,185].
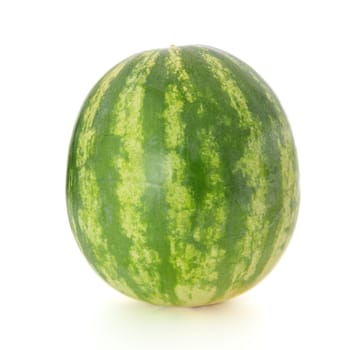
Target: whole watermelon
[182,180]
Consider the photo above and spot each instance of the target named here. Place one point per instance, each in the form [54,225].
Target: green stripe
[107,148]
[250,166]
[127,125]
[255,86]
[229,87]
[85,137]
[179,198]
[81,147]
[87,132]
[179,74]
[218,118]
[155,213]
[193,244]
[85,193]
[290,186]
[263,102]
[260,97]
[211,219]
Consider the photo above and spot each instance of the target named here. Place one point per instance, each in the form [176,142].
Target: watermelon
[182,179]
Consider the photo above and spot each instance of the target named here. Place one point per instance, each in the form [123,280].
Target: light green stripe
[89,221]
[180,202]
[181,205]
[175,65]
[230,87]
[251,166]
[131,186]
[289,173]
[84,150]
[70,211]
[191,251]
[89,212]
[88,188]
[87,133]
[269,94]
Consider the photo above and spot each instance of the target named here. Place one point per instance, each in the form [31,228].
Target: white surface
[51,55]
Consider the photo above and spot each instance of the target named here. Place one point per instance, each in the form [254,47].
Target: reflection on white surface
[128,324]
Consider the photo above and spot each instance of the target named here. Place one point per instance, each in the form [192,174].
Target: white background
[51,55]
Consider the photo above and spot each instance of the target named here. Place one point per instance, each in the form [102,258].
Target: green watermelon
[182,179]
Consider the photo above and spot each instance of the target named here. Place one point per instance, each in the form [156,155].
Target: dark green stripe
[155,206]
[262,108]
[290,190]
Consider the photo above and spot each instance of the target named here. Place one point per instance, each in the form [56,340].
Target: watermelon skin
[182,180]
